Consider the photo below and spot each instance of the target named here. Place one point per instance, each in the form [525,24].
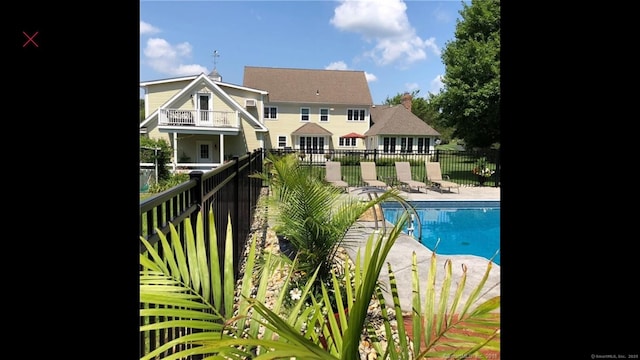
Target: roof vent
[250,103]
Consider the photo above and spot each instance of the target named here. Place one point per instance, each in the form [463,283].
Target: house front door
[205,152]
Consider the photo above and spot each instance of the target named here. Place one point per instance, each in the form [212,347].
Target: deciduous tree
[470,100]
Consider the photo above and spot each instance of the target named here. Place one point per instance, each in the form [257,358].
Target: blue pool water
[463,227]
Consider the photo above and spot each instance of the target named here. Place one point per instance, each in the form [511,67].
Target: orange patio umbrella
[353,135]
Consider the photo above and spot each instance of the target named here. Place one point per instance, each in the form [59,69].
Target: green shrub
[173,180]
[348,159]
[148,155]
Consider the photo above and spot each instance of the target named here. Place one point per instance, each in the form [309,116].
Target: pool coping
[450,203]
[400,256]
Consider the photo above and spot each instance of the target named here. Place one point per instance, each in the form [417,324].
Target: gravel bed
[269,242]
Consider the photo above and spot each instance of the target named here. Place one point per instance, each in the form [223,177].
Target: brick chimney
[406,101]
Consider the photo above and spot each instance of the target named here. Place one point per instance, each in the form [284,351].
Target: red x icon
[30,39]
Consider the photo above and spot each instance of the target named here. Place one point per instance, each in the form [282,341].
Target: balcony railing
[204,118]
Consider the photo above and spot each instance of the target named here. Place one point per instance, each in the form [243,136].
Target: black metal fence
[458,165]
[232,195]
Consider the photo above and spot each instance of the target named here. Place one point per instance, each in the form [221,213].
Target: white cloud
[430,43]
[370,77]
[436,85]
[373,18]
[170,59]
[341,65]
[337,65]
[148,29]
[385,22]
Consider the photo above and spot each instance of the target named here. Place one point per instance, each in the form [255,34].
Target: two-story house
[313,111]
[206,121]
[316,111]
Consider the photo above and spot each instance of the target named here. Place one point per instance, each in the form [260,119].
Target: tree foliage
[470,100]
[163,155]
[311,215]
[142,114]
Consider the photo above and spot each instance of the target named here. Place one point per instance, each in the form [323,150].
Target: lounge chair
[369,176]
[334,175]
[403,174]
[434,177]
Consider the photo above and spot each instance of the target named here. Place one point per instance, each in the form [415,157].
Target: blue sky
[396,43]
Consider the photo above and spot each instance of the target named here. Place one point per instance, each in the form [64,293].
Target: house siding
[159,94]
[336,91]
[154,133]
[239,96]
[289,120]
[251,138]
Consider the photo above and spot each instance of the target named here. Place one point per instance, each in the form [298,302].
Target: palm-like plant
[312,216]
[180,297]
[450,327]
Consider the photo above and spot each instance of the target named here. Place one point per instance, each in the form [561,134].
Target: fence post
[249,186]
[497,160]
[196,193]
[235,226]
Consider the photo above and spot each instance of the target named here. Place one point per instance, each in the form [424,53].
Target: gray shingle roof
[301,85]
[404,122]
[311,129]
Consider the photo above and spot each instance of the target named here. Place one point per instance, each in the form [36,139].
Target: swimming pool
[463,227]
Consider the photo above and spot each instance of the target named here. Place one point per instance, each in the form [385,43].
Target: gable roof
[288,85]
[168,80]
[197,83]
[311,129]
[397,120]
[191,77]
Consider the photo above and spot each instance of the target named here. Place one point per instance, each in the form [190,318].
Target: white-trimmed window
[356,114]
[347,142]
[282,141]
[304,114]
[406,144]
[389,145]
[270,112]
[324,115]
[312,144]
[423,145]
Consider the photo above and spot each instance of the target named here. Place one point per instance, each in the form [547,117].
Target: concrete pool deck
[400,256]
